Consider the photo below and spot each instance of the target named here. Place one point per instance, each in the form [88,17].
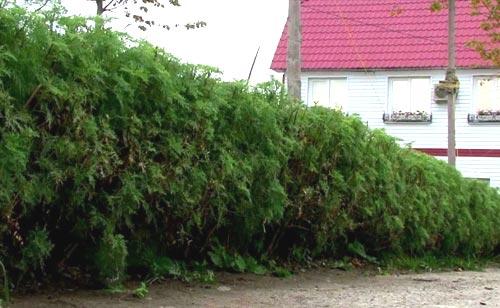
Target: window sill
[407,118]
[475,118]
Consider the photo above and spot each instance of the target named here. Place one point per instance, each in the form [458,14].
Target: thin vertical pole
[293,53]
[452,78]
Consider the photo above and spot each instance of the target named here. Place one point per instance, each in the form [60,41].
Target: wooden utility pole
[293,52]
[451,79]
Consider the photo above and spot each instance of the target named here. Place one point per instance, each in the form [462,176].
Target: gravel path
[318,288]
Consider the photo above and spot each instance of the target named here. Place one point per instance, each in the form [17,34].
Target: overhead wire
[366,23]
[350,32]
[339,14]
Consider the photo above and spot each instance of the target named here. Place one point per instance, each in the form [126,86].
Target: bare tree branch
[111,2]
[43,5]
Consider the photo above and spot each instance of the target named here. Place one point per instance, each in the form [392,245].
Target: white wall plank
[367,96]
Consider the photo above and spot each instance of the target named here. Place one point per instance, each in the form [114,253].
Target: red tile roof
[381,34]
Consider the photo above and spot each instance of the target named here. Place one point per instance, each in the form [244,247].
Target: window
[331,93]
[409,95]
[486,94]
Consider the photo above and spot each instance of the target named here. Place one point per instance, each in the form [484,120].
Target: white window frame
[475,91]
[390,102]
[310,81]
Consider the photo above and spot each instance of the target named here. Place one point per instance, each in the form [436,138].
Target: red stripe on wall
[463,152]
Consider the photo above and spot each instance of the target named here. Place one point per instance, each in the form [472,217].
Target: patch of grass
[279,270]
[224,260]
[116,289]
[358,249]
[282,272]
[141,291]
[430,263]
[200,273]
[344,264]
[5,299]
[160,267]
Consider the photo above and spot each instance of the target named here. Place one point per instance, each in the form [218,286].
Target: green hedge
[113,154]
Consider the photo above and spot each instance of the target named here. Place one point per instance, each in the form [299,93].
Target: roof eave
[282,70]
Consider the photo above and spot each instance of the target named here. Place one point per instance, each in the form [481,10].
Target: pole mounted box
[443,88]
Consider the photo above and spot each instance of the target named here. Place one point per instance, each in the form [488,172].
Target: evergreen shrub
[116,158]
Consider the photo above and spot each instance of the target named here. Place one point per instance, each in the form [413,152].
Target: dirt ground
[317,288]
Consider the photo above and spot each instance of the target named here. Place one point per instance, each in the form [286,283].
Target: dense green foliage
[115,158]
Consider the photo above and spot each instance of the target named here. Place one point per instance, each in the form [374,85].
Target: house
[381,59]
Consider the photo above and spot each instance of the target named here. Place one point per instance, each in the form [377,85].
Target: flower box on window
[407,117]
[485,116]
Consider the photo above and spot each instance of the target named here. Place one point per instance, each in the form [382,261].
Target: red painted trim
[463,152]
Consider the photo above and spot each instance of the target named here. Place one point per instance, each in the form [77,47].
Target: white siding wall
[479,168]
[368,92]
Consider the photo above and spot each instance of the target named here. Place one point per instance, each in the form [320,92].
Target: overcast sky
[234,31]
